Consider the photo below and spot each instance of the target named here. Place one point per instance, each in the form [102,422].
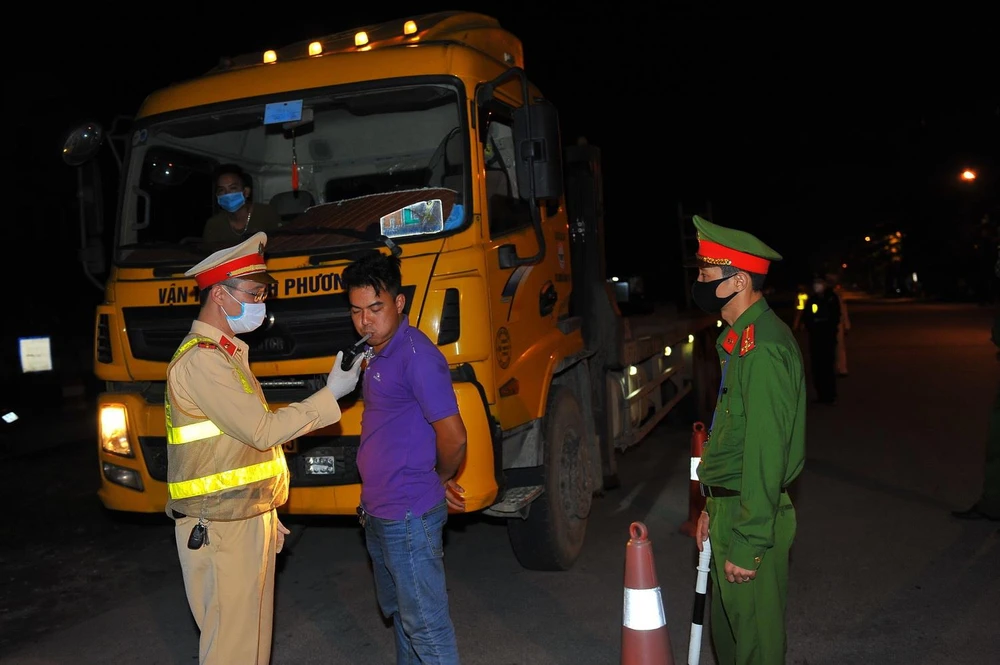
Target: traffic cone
[696,502]
[645,640]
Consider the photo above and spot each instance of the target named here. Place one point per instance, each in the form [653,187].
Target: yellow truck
[423,137]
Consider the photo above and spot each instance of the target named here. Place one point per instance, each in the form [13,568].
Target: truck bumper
[137,482]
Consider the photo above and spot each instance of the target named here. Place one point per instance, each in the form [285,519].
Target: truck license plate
[320,465]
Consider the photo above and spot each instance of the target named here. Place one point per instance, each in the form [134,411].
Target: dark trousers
[823,359]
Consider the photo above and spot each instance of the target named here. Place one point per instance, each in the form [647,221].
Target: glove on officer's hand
[341,382]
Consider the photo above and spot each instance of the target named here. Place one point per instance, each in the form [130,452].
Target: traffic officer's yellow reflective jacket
[224,458]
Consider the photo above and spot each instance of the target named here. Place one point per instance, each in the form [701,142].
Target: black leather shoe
[973,513]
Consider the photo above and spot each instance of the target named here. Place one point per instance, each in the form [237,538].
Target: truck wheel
[551,537]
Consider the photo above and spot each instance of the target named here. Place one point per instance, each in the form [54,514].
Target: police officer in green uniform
[755,449]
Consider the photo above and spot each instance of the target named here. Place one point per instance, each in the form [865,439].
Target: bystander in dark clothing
[821,319]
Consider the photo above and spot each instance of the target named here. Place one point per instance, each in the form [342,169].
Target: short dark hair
[374,269]
[203,294]
[232,169]
[756,278]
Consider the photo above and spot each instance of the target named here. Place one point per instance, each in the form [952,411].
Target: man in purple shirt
[412,445]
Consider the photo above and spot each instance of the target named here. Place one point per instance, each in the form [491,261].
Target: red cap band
[719,255]
[244,265]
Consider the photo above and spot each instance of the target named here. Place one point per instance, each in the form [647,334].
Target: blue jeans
[408,560]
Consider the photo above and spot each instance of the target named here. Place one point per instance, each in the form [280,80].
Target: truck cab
[422,137]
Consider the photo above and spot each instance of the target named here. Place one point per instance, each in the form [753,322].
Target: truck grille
[310,327]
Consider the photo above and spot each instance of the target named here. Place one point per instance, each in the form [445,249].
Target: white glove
[342,382]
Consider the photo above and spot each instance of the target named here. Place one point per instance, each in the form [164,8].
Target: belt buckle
[704,493]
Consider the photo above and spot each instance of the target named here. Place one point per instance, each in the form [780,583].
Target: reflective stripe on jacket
[211,474]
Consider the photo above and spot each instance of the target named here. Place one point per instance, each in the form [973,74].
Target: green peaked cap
[741,241]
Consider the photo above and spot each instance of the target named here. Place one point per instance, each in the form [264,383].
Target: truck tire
[552,535]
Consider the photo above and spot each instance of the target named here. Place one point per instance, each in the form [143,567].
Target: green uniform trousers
[748,620]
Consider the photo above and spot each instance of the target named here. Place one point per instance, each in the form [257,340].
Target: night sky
[807,129]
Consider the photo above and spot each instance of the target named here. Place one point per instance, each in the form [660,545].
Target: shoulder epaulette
[746,340]
[225,345]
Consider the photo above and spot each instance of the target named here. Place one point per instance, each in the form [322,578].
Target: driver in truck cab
[239,215]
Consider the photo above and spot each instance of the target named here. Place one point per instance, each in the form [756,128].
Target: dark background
[810,127]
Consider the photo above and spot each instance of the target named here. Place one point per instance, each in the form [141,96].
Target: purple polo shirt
[405,388]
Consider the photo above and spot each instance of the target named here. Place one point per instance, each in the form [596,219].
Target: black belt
[717,492]
[177,515]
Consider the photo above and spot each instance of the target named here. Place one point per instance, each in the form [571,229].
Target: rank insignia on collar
[730,342]
[227,345]
[746,340]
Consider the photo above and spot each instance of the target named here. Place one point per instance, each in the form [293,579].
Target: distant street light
[968,175]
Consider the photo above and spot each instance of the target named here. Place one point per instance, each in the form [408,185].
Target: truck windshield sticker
[421,217]
[283,112]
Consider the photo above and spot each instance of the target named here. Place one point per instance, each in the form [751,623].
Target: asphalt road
[881,573]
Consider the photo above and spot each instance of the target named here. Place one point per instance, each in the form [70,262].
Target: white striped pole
[700,592]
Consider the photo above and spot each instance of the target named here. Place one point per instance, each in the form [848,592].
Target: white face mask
[250,317]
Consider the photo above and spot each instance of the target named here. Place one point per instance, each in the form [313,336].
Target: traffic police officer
[226,471]
[755,449]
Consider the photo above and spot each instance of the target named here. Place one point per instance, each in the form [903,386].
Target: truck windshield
[325,173]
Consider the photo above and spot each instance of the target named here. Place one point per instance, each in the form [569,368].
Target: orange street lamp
[968,175]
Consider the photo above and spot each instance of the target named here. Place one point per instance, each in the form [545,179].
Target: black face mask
[703,294]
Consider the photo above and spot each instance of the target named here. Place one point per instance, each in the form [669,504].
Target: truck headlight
[113,430]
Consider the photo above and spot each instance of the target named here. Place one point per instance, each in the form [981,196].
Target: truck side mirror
[82,144]
[538,152]
[79,150]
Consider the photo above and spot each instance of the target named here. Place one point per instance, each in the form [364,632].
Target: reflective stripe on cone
[645,640]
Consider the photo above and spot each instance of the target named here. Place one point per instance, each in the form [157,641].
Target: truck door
[524,300]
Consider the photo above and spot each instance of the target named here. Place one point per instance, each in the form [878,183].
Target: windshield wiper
[188,247]
[316,259]
[320,230]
